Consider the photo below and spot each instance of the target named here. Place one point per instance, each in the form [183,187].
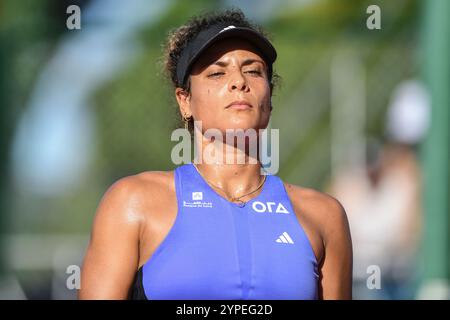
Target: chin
[243,125]
[237,124]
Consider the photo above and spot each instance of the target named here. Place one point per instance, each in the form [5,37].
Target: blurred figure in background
[383,201]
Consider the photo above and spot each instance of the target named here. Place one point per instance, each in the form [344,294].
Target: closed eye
[215,74]
[256,72]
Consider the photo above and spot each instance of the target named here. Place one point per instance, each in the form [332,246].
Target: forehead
[231,47]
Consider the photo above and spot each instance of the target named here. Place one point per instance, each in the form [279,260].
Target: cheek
[264,94]
[205,102]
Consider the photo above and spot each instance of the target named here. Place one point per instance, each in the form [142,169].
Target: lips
[240,105]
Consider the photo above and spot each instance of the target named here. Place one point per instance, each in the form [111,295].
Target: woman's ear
[184,101]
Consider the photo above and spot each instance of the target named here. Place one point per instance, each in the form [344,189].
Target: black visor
[217,32]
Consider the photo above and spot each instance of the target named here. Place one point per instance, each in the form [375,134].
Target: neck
[233,176]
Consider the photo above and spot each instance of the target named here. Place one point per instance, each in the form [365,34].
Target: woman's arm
[324,220]
[337,262]
[112,256]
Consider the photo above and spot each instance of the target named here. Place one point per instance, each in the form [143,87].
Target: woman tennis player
[218,230]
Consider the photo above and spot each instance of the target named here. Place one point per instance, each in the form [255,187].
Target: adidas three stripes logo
[285,238]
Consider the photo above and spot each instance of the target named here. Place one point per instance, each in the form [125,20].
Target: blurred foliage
[29,34]
[30,30]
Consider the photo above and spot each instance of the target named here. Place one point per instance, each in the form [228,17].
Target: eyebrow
[246,62]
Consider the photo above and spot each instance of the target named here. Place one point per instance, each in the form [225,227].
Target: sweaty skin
[137,212]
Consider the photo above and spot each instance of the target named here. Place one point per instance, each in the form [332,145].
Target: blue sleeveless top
[219,250]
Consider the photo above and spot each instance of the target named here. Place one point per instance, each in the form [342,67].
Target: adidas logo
[285,238]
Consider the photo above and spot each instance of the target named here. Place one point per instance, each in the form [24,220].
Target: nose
[238,82]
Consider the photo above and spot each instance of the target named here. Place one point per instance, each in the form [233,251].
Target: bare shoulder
[325,211]
[140,184]
[147,179]
[130,196]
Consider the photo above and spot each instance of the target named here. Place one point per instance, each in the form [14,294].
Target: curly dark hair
[179,38]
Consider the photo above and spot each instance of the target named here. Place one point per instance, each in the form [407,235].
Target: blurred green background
[83,108]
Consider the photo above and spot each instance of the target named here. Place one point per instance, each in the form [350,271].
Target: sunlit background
[363,115]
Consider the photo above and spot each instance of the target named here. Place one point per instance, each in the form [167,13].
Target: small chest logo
[197,201]
[273,207]
[197,195]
